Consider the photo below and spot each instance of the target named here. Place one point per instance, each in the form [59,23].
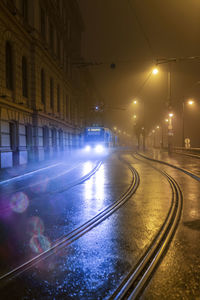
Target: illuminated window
[9,66]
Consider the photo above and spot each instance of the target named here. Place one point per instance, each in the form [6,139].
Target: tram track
[79,231]
[60,190]
[187,172]
[135,282]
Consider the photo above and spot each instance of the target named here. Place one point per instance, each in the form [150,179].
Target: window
[24,77]
[42,86]
[67,107]
[12,130]
[9,66]
[51,36]
[69,66]
[25,9]
[42,22]
[58,98]
[51,92]
[58,46]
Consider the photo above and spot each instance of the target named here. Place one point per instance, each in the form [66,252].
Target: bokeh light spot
[35,226]
[19,202]
[39,243]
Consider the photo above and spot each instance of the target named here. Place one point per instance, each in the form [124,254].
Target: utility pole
[170,127]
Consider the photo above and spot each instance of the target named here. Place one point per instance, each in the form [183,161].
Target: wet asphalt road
[178,276]
[95,264]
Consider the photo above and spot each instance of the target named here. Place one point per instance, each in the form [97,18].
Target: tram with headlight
[98,139]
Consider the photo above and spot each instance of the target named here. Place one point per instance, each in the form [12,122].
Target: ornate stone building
[41,97]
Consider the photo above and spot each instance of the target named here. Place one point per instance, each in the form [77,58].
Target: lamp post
[189,102]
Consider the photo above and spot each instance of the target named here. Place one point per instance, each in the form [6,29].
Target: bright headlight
[99,148]
[87,148]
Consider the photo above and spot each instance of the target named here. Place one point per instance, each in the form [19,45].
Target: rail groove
[134,283]
[78,232]
[194,176]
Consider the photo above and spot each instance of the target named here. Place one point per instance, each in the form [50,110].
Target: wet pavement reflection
[178,276]
[95,264]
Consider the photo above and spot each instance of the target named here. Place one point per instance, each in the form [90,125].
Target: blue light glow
[99,148]
[88,148]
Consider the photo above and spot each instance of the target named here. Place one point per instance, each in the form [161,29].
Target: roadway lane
[93,266]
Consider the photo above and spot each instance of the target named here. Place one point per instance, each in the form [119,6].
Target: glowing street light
[157,127]
[134,116]
[135,102]
[190,102]
[166,120]
[155,71]
[171,115]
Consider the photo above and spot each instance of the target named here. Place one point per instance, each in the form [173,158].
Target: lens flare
[35,226]
[19,202]
[39,243]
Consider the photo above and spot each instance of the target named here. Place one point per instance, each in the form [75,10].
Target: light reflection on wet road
[178,276]
[94,265]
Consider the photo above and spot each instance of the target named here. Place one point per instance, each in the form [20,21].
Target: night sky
[133,35]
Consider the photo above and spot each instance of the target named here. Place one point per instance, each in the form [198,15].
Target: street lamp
[190,102]
[155,71]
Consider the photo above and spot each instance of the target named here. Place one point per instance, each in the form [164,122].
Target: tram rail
[79,231]
[135,282]
[189,173]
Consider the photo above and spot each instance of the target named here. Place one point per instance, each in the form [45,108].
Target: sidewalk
[13,172]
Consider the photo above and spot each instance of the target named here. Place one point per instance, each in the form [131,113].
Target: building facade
[41,96]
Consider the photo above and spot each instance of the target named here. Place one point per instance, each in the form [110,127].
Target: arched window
[58,98]
[9,66]
[24,77]
[51,92]
[24,4]
[42,86]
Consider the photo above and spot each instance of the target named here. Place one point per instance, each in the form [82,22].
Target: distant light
[134,116]
[153,131]
[87,148]
[190,102]
[157,127]
[171,115]
[135,102]
[96,107]
[115,128]
[142,128]
[166,120]
[155,71]
[119,131]
[99,148]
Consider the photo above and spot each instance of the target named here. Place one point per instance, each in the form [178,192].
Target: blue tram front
[94,139]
